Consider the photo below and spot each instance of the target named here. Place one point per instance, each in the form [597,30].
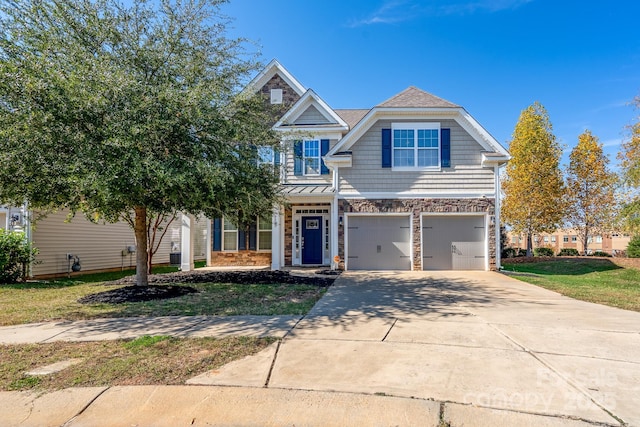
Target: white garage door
[453,243]
[378,243]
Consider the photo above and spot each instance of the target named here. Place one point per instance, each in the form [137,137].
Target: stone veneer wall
[289,96]
[418,207]
[240,258]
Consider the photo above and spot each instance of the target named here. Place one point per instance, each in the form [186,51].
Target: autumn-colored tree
[533,185]
[629,157]
[590,190]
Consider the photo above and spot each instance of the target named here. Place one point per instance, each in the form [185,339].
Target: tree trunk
[585,241]
[140,231]
[529,245]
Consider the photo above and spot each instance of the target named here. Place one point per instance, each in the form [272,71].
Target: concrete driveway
[488,349]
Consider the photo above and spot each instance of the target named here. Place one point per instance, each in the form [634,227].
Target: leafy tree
[629,157]
[590,190]
[533,184]
[633,249]
[130,111]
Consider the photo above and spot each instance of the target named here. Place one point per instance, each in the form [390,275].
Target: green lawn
[588,279]
[57,300]
[146,360]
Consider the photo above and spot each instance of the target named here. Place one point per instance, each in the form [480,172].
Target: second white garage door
[378,243]
[453,243]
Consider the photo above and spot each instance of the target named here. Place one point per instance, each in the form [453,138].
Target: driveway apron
[471,339]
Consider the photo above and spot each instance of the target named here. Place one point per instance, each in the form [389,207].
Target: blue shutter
[217,234]
[324,149]
[386,148]
[242,241]
[253,236]
[276,157]
[297,158]
[445,148]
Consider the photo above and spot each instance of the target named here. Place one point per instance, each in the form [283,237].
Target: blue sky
[580,59]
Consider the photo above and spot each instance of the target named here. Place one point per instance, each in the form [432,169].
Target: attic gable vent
[276,96]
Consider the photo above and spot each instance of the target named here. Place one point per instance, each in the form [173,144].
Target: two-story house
[410,184]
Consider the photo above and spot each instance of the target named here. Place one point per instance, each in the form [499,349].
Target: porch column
[276,240]
[186,242]
[209,242]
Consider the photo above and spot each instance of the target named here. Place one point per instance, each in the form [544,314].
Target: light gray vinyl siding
[312,117]
[99,246]
[303,179]
[466,175]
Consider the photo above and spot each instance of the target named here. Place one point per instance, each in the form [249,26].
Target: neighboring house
[611,243]
[99,247]
[410,184]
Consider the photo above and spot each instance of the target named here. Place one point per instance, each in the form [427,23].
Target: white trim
[485,217]
[416,195]
[222,235]
[347,215]
[308,99]
[415,127]
[497,212]
[273,68]
[304,157]
[459,114]
[296,257]
[324,132]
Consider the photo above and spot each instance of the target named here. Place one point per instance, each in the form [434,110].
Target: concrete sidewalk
[134,327]
[414,348]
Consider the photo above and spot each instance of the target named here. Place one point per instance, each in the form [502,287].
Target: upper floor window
[553,239]
[598,239]
[565,239]
[574,239]
[415,145]
[311,157]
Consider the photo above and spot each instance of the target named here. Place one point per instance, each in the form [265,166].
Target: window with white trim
[598,239]
[415,145]
[311,157]
[266,156]
[229,236]
[264,234]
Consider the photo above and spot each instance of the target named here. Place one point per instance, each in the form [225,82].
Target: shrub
[15,254]
[601,253]
[543,252]
[568,252]
[633,249]
[513,252]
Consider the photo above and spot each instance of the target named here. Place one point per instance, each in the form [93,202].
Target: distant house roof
[352,116]
[413,97]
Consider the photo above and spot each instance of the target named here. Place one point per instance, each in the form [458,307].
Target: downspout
[335,233]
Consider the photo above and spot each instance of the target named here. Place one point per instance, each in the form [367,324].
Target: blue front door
[312,240]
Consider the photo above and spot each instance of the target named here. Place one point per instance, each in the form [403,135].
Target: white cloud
[394,11]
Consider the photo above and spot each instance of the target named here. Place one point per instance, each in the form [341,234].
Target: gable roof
[416,103]
[413,97]
[273,68]
[310,98]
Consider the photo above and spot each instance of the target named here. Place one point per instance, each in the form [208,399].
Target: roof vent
[276,96]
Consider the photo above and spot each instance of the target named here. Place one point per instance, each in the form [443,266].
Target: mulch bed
[164,286]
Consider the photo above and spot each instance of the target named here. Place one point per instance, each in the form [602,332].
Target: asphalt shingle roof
[413,97]
[352,116]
